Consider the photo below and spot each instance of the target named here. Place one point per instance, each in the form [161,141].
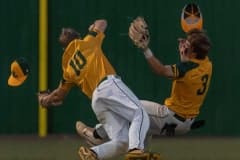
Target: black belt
[179,117]
[105,78]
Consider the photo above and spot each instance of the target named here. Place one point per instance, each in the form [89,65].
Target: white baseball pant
[122,115]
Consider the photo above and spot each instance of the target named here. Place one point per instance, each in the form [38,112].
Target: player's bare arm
[157,66]
[139,34]
[55,98]
[185,51]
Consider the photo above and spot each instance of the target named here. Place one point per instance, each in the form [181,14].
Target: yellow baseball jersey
[189,87]
[84,63]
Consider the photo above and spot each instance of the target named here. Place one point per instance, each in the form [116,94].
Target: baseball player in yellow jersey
[190,81]
[116,107]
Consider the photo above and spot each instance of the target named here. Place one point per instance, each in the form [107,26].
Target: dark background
[19,37]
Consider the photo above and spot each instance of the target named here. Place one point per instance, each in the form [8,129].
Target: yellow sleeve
[93,38]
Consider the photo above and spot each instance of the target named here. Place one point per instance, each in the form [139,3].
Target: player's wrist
[147,53]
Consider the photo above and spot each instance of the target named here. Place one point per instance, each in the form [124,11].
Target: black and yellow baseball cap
[19,72]
[191,17]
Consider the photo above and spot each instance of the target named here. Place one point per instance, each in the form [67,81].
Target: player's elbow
[165,71]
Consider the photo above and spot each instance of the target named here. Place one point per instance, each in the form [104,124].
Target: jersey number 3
[202,90]
[78,62]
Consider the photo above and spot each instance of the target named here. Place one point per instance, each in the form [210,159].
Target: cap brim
[16,82]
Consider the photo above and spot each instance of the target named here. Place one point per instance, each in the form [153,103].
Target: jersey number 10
[77,62]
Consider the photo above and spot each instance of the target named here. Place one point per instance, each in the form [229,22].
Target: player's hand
[184,45]
[43,98]
[47,98]
[99,25]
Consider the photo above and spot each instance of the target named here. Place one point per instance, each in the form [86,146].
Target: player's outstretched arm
[157,66]
[139,34]
[54,98]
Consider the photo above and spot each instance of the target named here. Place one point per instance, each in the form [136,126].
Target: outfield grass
[65,147]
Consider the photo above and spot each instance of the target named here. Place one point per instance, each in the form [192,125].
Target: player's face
[183,48]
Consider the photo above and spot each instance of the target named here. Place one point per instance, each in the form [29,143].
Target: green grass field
[65,147]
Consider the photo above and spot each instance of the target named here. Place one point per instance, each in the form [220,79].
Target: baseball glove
[142,156]
[139,33]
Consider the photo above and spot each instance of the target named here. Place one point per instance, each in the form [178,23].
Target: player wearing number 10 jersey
[114,104]
[84,63]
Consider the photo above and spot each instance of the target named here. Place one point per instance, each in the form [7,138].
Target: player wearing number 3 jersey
[115,105]
[189,87]
[190,82]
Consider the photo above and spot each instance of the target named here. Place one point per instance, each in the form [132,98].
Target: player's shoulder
[184,67]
